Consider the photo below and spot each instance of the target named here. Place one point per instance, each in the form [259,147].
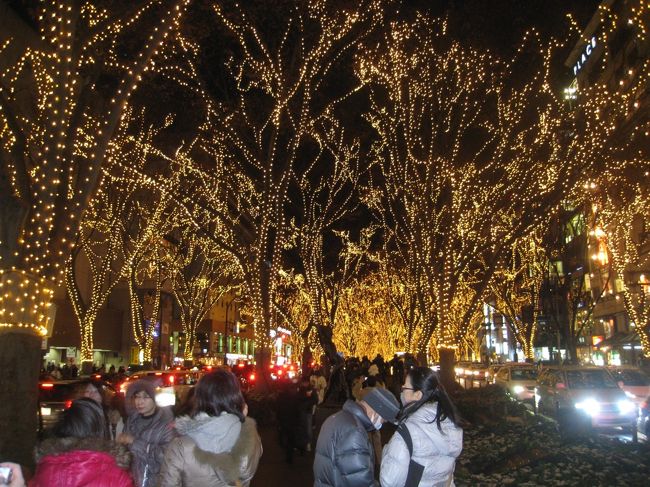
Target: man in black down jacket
[344,454]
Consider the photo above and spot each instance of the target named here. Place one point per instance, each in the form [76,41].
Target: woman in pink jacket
[80,455]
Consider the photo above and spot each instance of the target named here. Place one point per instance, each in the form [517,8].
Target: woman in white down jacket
[433,424]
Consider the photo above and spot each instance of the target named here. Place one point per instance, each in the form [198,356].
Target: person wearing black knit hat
[148,430]
[344,453]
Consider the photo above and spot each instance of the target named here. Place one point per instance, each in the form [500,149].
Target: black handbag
[415,469]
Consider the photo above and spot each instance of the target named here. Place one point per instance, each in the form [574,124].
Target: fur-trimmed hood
[58,446]
[203,467]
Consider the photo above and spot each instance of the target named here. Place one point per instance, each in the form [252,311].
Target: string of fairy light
[58,148]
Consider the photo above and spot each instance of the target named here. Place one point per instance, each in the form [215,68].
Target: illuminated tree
[516,288]
[622,212]
[98,257]
[263,135]
[404,295]
[146,263]
[325,288]
[365,324]
[62,93]
[117,229]
[201,275]
[471,158]
[618,195]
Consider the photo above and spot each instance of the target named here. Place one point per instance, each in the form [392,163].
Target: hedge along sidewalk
[507,445]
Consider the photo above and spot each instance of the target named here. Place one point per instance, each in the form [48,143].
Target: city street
[274,471]
[216,208]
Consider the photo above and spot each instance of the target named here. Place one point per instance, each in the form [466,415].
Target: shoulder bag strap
[415,470]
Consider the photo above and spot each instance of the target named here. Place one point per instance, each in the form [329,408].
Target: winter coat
[81,462]
[212,451]
[344,454]
[151,435]
[435,450]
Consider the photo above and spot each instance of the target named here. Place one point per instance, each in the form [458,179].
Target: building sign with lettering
[589,48]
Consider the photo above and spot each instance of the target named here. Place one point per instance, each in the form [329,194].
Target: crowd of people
[213,441]
[214,444]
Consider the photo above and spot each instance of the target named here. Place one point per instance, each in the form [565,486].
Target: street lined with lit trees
[358,175]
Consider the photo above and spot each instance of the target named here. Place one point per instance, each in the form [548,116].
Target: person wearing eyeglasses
[429,438]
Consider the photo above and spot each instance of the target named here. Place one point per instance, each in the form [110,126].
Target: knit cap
[383,402]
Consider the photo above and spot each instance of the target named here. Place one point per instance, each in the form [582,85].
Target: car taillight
[122,387]
[68,404]
[280,371]
[251,377]
[171,379]
[240,365]
[47,385]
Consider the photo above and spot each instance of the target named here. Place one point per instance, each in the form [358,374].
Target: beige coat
[186,464]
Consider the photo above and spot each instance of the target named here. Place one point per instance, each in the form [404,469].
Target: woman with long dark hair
[219,445]
[429,438]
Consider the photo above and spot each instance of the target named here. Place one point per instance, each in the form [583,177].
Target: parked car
[633,381]
[471,374]
[519,380]
[54,397]
[589,396]
[492,372]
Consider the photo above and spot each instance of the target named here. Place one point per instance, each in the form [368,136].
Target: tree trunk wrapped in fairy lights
[63,88]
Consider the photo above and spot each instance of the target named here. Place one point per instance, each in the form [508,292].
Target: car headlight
[625,406]
[518,389]
[589,406]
